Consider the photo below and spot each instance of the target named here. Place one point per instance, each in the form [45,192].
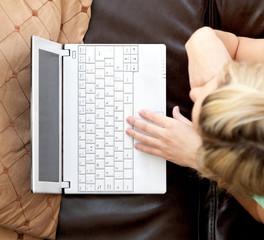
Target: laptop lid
[46,116]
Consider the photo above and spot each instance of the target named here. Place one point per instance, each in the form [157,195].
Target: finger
[151,141]
[144,126]
[154,117]
[149,150]
[177,115]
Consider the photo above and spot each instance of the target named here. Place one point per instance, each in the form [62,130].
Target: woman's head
[231,124]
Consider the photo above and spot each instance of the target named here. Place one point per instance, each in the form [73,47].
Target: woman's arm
[242,48]
[207,54]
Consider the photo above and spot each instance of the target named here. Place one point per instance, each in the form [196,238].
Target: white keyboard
[105,99]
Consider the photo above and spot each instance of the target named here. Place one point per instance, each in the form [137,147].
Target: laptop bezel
[38,186]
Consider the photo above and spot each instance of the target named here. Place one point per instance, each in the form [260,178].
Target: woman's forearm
[230,41]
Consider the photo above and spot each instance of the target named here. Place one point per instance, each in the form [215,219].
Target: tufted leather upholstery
[192,208]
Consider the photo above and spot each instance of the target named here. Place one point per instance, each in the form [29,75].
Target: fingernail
[176,108]
[128,119]
[140,112]
[128,131]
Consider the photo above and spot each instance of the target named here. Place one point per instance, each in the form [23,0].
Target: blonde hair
[231,125]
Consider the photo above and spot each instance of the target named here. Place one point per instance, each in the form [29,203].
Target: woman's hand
[174,139]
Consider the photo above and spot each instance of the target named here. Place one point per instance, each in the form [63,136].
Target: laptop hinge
[65,52]
[65,184]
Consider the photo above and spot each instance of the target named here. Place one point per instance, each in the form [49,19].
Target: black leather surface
[173,215]
[191,209]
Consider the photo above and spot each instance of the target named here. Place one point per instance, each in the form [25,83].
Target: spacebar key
[128,111]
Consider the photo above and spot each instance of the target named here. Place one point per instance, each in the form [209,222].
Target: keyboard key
[128,154]
[81,135]
[99,174]
[128,98]
[119,166]
[119,136]
[109,71]
[109,151]
[109,161]
[128,164]
[128,88]
[90,178]
[90,148]
[81,178]
[81,144]
[81,169]
[134,67]
[109,184]
[128,77]
[90,68]
[100,154]
[90,168]
[90,78]
[134,58]
[90,138]
[82,50]
[109,171]
[119,106]
[126,49]
[109,131]
[134,50]
[90,187]
[119,146]
[99,185]
[99,133]
[99,73]
[90,54]
[81,187]
[99,103]
[82,161]
[109,141]
[119,175]
[119,76]
[100,143]
[109,101]
[109,121]
[119,185]
[126,58]
[128,185]
[109,91]
[118,156]
[90,128]
[99,64]
[127,67]
[81,58]
[90,158]
[109,62]
[128,174]
[81,67]
[118,52]
[90,118]
[109,81]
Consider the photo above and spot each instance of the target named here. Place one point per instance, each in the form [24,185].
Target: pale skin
[177,138]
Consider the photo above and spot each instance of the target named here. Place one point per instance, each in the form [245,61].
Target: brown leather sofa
[192,208]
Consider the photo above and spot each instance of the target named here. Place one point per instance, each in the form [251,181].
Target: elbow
[199,36]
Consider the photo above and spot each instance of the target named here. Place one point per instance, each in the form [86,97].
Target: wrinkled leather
[191,208]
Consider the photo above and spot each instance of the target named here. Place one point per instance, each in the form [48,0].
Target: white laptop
[81,95]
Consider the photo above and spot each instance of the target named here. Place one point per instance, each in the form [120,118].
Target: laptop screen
[49,116]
